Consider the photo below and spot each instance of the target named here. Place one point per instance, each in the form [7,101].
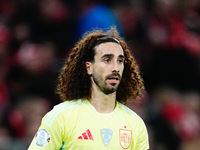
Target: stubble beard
[101,84]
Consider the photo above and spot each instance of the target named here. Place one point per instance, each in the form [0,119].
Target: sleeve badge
[42,138]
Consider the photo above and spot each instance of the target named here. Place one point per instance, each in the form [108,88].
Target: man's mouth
[113,78]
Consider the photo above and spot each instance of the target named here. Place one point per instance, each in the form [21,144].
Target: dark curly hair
[75,83]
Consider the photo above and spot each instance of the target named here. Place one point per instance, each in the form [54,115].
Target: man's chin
[110,90]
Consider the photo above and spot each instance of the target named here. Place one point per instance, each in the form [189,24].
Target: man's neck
[103,103]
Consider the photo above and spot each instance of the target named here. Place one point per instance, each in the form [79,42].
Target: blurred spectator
[96,16]
[167,27]
[25,115]
[165,137]
[33,71]
[21,34]
[182,118]
[54,23]
[36,58]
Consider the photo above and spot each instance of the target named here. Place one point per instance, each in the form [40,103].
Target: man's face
[107,68]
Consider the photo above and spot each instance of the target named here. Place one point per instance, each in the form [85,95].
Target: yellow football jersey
[76,125]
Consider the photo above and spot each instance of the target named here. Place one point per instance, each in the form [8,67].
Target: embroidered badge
[106,135]
[125,138]
[42,137]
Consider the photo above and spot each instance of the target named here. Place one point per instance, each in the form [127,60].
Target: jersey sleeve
[49,135]
[143,139]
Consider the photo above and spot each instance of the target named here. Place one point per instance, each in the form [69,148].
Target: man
[95,83]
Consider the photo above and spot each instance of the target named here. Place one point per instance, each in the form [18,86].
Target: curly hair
[75,83]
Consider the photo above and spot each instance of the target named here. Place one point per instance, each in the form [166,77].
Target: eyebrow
[111,55]
[122,56]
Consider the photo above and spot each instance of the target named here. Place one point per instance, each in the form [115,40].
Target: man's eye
[121,60]
[107,60]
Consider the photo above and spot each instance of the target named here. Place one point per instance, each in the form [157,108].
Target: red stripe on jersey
[89,134]
[85,136]
[80,137]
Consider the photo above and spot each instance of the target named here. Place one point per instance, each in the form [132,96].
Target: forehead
[109,48]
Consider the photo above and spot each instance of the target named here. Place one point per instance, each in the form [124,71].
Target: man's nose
[115,67]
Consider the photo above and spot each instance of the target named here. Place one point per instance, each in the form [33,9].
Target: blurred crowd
[164,36]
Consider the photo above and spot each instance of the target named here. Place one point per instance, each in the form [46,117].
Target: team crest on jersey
[42,138]
[106,135]
[125,138]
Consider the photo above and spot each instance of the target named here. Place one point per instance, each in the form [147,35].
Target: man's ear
[88,66]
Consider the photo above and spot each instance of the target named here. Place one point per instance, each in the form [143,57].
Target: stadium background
[164,36]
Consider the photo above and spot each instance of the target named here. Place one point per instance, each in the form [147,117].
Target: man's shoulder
[67,106]
[128,112]
[62,111]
